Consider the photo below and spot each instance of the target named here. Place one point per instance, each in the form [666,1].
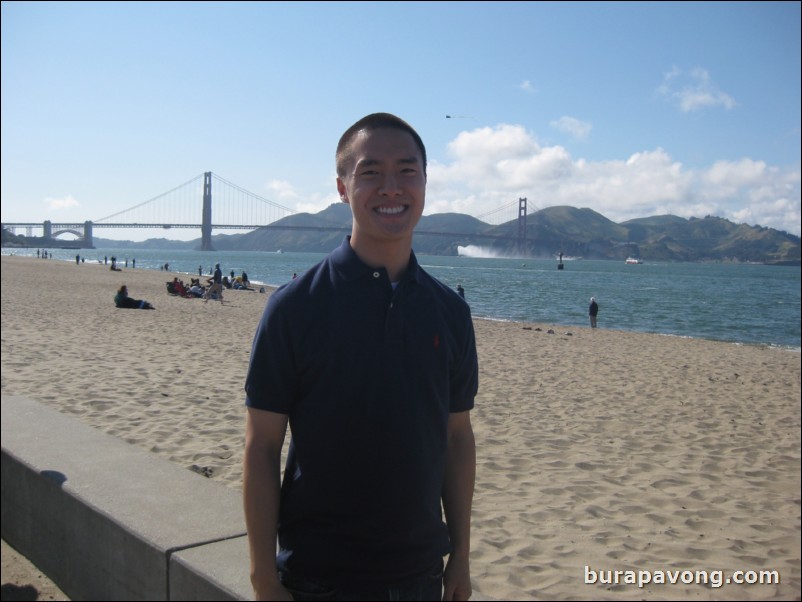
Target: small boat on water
[633,261]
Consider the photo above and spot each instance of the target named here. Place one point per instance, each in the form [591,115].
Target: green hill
[574,232]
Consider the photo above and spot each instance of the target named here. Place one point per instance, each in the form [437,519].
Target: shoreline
[183,274]
[601,448]
[542,325]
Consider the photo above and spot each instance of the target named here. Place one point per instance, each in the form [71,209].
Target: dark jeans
[428,586]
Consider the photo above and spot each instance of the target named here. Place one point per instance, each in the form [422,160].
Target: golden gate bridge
[234,208]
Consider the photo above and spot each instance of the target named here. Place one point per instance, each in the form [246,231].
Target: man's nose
[390,185]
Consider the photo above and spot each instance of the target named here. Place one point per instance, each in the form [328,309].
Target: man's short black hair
[375,121]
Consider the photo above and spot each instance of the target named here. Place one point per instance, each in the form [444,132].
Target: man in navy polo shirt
[372,362]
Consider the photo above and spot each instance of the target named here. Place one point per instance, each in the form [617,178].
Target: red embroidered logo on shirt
[436,341]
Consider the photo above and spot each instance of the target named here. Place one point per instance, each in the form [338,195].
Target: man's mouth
[394,210]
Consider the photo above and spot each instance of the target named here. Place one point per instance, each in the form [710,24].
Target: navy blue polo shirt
[368,376]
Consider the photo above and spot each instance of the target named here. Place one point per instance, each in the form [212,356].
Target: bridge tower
[47,229]
[206,222]
[90,244]
[522,226]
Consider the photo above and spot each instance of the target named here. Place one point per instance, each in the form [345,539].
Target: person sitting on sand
[196,290]
[121,299]
[238,284]
[180,289]
[241,284]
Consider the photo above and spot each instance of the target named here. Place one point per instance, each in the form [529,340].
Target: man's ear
[343,192]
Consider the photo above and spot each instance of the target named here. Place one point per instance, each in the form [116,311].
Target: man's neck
[393,256]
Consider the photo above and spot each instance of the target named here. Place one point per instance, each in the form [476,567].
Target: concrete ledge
[217,571]
[106,520]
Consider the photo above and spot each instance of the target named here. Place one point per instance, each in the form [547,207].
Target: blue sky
[630,109]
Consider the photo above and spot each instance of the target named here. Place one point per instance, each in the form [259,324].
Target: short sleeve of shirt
[271,380]
[465,375]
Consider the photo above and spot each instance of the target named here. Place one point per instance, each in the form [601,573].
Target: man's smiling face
[385,184]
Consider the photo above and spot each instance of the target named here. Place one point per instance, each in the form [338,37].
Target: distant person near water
[461,291]
[593,311]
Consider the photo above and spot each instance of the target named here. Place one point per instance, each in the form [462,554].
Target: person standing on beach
[215,290]
[377,390]
[593,311]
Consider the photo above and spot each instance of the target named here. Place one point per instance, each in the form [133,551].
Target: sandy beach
[598,451]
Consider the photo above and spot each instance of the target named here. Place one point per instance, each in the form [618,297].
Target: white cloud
[281,189]
[693,90]
[526,86]
[489,168]
[304,202]
[317,203]
[67,202]
[576,128]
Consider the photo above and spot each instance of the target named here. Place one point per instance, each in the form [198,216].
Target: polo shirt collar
[351,267]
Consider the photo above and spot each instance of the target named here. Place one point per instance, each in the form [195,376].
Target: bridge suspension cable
[504,211]
[503,214]
[248,193]
[180,207]
[156,198]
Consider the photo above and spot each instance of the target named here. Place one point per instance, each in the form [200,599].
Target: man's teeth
[390,210]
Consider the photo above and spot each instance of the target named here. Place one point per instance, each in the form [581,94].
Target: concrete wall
[106,520]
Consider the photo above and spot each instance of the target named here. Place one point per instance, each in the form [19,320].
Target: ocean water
[743,303]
